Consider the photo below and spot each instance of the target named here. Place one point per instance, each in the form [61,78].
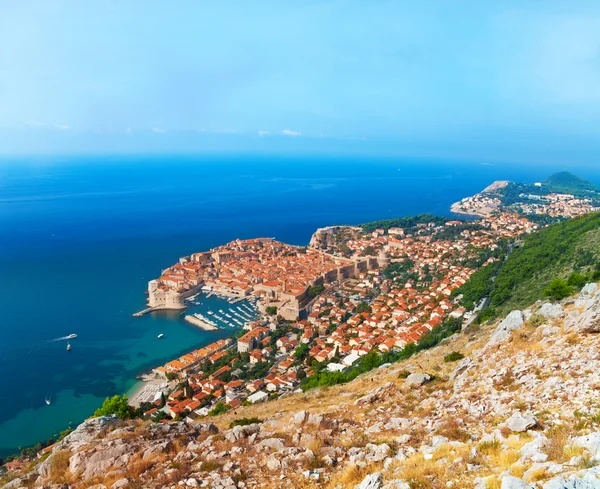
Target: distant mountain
[566,182]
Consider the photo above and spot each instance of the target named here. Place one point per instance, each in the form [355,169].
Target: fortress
[275,273]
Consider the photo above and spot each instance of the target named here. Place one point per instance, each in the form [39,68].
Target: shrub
[244,422]
[118,405]
[558,289]
[453,357]
[577,280]
[404,374]
[220,408]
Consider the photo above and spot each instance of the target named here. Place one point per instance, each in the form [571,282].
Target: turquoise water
[81,236]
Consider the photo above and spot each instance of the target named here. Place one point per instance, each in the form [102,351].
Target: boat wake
[63,338]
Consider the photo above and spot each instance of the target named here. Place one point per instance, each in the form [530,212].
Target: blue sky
[514,80]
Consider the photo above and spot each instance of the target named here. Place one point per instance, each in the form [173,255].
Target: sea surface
[80,237]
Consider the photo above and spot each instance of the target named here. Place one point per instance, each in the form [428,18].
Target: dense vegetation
[402,222]
[564,251]
[540,250]
[374,359]
[566,182]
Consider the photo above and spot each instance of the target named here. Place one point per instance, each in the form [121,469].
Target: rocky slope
[520,410]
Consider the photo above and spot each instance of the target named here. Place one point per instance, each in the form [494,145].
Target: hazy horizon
[503,82]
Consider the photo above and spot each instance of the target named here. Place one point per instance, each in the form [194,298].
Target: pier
[141,313]
[201,324]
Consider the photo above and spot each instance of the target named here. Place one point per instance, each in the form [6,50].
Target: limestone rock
[588,290]
[519,423]
[511,323]
[591,443]
[120,484]
[415,380]
[372,481]
[589,320]
[510,482]
[239,432]
[273,443]
[572,482]
[551,310]
[300,417]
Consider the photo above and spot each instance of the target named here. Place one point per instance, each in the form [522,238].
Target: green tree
[271,310]
[577,280]
[363,307]
[220,408]
[118,405]
[301,352]
[558,289]
[315,291]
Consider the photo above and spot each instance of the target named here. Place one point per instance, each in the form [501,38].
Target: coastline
[146,387]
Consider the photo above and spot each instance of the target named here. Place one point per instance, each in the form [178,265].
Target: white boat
[71,336]
[48,400]
[160,336]
[68,346]
[211,313]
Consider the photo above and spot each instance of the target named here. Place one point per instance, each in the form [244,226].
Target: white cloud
[34,123]
[227,131]
[62,127]
[263,133]
[289,132]
[158,129]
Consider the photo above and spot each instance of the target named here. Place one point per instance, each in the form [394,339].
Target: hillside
[566,182]
[553,252]
[520,406]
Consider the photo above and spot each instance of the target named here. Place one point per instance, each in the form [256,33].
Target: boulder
[589,320]
[415,380]
[372,481]
[121,483]
[14,484]
[551,310]
[512,322]
[300,417]
[510,482]
[366,399]
[397,484]
[532,451]
[314,419]
[238,432]
[572,482]
[93,463]
[519,423]
[86,432]
[273,443]
[273,464]
[588,290]
[591,443]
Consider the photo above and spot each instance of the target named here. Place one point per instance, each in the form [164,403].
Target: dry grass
[59,468]
[423,474]
[558,437]
[452,430]
[351,475]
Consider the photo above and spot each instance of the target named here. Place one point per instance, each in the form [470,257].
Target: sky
[497,80]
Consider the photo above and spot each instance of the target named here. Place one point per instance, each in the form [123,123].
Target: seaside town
[553,204]
[322,307]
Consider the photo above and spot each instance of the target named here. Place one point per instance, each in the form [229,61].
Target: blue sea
[80,236]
